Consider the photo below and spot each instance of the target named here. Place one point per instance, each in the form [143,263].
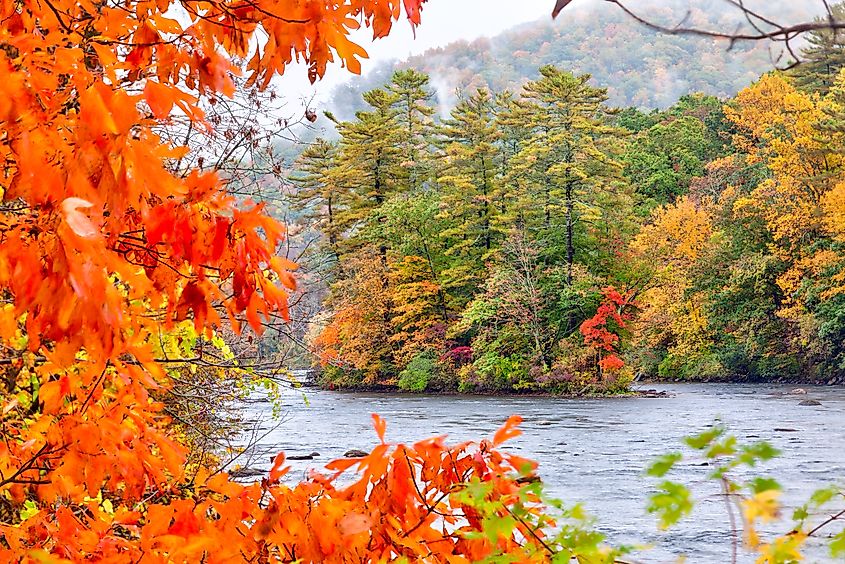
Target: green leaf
[663,464]
[724,448]
[823,495]
[703,440]
[671,502]
[837,545]
[760,484]
[753,453]
[800,514]
[29,509]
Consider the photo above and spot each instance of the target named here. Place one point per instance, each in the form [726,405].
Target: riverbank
[387,390]
[311,378]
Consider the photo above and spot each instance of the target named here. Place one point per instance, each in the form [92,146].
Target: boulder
[809,402]
[311,456]
[355,453]
[246,472]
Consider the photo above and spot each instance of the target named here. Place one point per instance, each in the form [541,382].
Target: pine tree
[414,117]
[468,183]
[369,160]
[320,191]
[513,133]
[823,57]
[568,156]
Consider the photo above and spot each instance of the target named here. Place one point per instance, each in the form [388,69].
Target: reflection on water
[594,450]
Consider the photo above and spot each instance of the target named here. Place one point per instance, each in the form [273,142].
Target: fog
[446,21]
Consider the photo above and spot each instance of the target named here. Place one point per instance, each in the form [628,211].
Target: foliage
[117,269]
[602,331]
[724,218]
[466,232]
[419,374]
[822,58]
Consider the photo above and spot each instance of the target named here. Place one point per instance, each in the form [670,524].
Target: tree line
[545,241]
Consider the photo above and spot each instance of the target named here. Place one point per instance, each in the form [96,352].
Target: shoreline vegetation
[641,391]
[585,393]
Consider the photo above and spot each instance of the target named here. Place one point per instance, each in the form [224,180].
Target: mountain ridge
[600,41]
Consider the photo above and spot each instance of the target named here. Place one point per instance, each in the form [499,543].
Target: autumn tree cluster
[465,244]
[542,240]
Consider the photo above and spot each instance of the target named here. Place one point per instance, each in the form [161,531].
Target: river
[593,450]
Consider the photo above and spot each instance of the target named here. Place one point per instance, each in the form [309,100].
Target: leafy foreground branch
[427,502]
[750,502]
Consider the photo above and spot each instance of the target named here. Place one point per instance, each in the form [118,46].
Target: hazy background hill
[639,67]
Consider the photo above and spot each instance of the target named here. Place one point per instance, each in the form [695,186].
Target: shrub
[500,372]
[419,373]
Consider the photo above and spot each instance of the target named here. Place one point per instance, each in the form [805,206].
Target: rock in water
[355,453]
[311,456]
[809,402]
[245,472]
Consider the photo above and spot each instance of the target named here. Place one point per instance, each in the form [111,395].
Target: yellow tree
[671,316]
[779,127]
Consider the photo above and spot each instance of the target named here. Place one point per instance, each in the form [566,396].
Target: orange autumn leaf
[380,426]
[354,523]
[508,431]
[277,471]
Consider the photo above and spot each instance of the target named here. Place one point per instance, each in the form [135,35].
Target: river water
[594,450]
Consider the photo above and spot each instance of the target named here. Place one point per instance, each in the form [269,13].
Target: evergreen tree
[370,160]
[320,191]
[567,158]
[468,183]
[823,57]
[512,134]
[412,104]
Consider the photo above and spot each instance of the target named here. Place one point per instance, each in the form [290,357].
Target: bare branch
[762,27]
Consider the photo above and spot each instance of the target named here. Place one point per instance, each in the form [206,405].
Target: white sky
[443,21]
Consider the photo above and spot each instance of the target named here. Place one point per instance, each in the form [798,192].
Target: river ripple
[594,450]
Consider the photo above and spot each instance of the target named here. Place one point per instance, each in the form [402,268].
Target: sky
[443,21]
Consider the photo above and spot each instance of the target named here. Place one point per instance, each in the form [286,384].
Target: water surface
[594,450]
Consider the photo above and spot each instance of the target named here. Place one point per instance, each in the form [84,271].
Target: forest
[545,241]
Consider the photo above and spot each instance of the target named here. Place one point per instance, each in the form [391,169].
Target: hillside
[640,67]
